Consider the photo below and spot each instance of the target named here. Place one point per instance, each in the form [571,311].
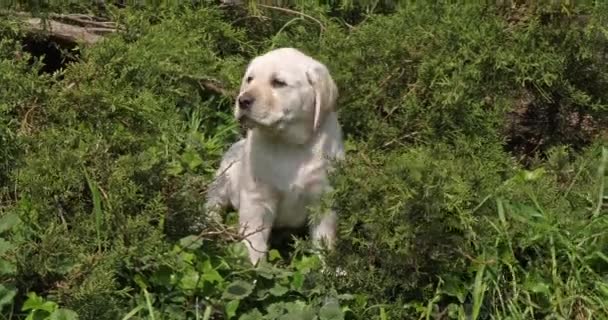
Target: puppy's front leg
[255,220]
[323,231]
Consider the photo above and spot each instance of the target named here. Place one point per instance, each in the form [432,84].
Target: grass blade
[97,211]
[149,303]
[132,313]
[478,291]
[600,175]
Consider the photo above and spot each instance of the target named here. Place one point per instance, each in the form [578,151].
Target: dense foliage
[474,184]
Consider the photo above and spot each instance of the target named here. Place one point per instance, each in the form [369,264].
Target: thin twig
[80,20]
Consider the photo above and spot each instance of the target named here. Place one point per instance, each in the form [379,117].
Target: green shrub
[471,185]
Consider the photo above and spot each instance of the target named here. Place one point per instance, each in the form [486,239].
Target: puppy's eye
[249,79]
[278,83]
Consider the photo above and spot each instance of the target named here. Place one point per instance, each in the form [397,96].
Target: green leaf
[297,281]
[35,302]
[192,159]
[5,246]
[210,274]
[383,314]
[7,268]
[238,250]
[174,168]
[307,263]
[455,288]
[266,271]
[189,280]
[479,290]
[162,276]
[602,288]
[141,281]
[63,314]
[6,295]
[238,289]
[8,221]
[231,307]
[278,290]
[297,310]
[346,296]
[274,255]
[331,311]
[536,284]
[254,314]
[191,242]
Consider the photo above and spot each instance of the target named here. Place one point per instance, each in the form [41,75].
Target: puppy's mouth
[249,121]
[246,122]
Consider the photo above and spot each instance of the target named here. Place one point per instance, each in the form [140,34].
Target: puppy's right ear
[326,91]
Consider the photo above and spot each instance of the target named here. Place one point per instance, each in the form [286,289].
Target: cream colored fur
[288,102]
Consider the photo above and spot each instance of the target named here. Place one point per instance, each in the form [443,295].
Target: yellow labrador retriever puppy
[287,101]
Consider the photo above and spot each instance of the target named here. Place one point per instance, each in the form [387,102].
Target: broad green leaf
[254,314]
[5,246]
[191,242]
[602,288]
[331,311]
[307,263]
[238,289]
[35,302]
[162,276]
[192,159]
[536,284]
[383,314]
[274,255]
[231,307]
[297,281]
[210,274]
[6,295]
[7,268]
[174,168]
[275,310]
[7,221]
[297,310]
[63,314]
[189,280]
[455,288]
[278,290]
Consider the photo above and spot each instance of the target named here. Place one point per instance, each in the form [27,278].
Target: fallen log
[76,28]
[64,31]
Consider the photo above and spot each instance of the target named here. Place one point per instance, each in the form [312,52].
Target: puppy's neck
[327,136]
[293,135]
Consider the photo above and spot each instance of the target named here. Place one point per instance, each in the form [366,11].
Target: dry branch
[75,28]
[63,31]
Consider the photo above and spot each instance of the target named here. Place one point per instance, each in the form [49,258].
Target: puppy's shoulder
[232,157]
[235,151]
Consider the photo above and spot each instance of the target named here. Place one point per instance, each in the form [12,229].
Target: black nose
[246,101]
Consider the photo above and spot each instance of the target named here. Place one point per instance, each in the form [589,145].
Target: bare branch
[67,27]
[64,31]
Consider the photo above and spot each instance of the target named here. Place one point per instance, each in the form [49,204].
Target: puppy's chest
[297,193]
[295,177]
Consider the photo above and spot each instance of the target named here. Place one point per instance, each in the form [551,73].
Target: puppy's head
[287,93]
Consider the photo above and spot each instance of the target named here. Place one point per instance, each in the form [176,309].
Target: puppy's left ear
[326,92]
